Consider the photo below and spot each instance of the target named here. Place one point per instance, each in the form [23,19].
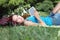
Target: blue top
[47,20]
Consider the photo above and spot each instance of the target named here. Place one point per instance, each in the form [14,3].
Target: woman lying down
[35,20]
[52,19]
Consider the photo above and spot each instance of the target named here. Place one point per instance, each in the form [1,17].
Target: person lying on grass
[52,19]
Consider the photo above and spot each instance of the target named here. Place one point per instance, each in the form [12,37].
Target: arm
[38,18]
[57,7]
[30,23]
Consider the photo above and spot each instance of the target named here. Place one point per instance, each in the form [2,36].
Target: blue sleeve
[32,18]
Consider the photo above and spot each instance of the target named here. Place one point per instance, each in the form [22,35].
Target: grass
[43,13]
[29,33]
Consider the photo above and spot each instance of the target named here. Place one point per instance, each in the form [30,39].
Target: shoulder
[30,17]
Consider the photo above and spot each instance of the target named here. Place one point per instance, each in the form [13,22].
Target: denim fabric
[56,19]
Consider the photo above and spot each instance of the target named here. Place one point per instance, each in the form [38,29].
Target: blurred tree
[7,6]
[45,6]
[2,2]
[15,2]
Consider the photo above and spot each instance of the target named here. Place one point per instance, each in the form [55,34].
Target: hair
[4,20]
[11,22]
[25,16]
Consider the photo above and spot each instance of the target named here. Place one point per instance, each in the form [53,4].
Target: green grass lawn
[43,13]
[29,33]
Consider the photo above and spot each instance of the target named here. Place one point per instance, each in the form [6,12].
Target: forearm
[30,23]
[38,18]
[36,14]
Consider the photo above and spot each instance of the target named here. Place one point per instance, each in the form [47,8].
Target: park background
[44,7]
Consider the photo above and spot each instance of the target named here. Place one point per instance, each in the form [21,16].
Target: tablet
[31,11]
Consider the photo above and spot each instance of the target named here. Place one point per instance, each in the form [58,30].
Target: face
[18,19]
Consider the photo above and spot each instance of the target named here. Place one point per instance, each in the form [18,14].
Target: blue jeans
[55,18]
